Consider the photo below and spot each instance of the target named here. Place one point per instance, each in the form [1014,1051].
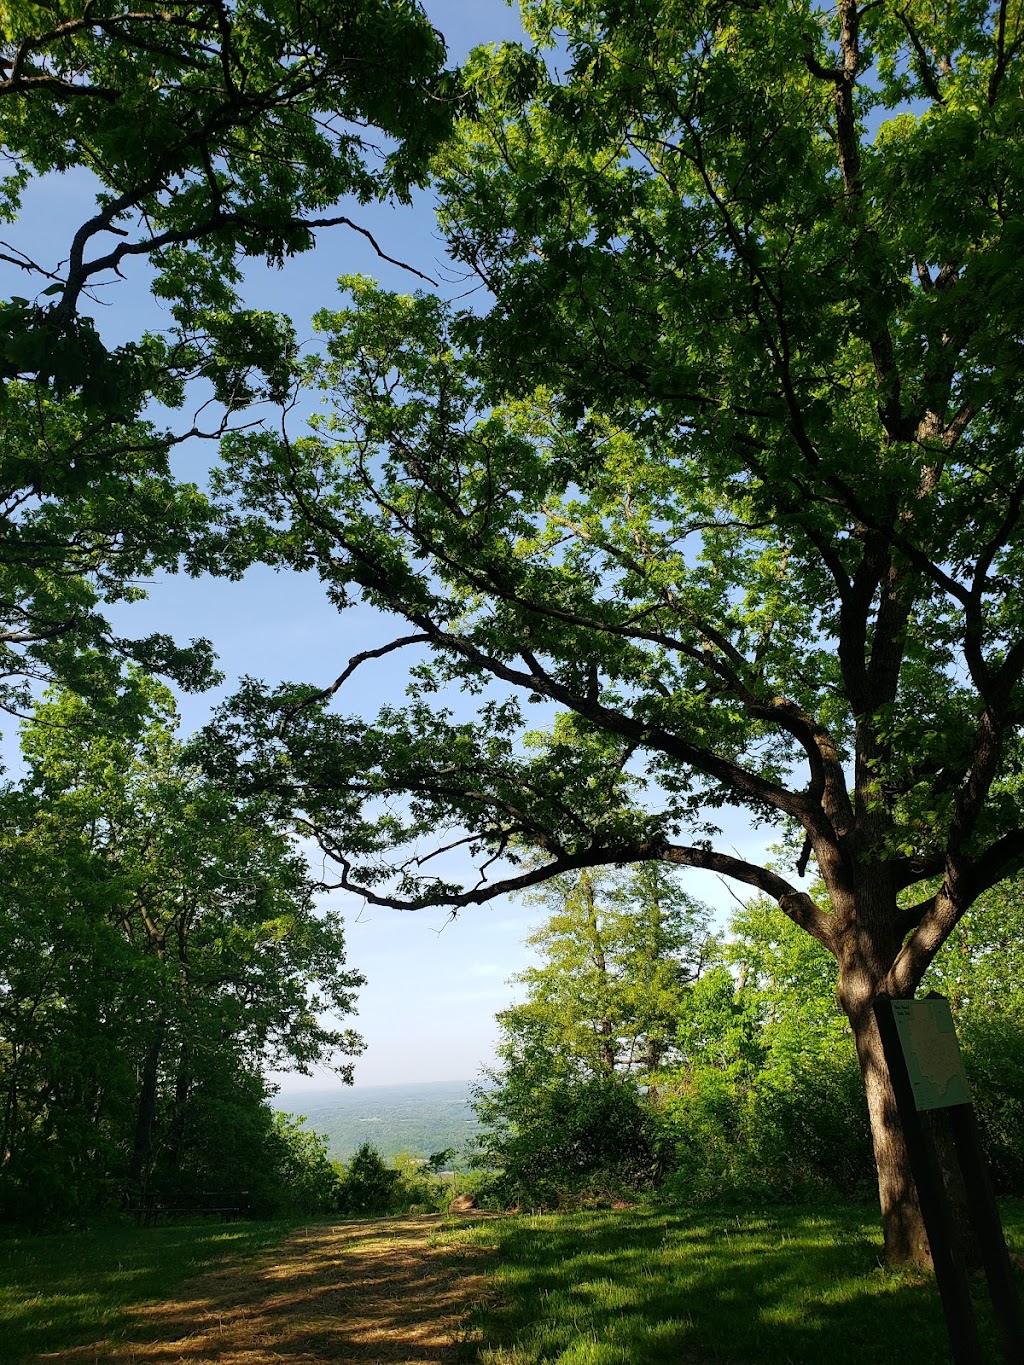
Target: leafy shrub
[579,1137]
[994,1057]
[368,1185]
[788,1133]
[307,1182]
[235,1143]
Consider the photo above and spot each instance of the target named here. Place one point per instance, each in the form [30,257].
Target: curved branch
[81,270]
[999,861]
[290,712]
[796,904]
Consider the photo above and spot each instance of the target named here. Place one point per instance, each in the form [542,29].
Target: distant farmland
[419,1119]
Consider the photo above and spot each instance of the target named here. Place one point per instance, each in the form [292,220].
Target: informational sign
[921,1052]
[928,1039]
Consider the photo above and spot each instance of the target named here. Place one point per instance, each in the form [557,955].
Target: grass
[786,1287]
[795,1286]
[65,1289]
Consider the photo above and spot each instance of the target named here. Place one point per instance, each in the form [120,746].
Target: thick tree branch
[796,904]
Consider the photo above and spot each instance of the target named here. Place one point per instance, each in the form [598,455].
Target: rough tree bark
[142,1148]
[903,1230]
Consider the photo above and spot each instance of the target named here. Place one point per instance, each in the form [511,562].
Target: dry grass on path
[361,1292]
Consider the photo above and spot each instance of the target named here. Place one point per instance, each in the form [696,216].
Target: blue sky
[434,985]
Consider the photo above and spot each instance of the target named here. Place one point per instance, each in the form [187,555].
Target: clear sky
[434,985]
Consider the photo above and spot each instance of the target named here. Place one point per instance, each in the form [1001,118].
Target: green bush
[807,1125]
[579,1138]
[306,1180]
[994,1057]
[368,1185]
[785,1134]
[236,1144]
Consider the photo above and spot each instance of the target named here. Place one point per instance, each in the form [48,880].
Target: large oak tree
[728,466]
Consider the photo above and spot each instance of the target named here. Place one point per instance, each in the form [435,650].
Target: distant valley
[419,1119]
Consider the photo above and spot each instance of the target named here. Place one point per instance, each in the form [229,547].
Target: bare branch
[290,712]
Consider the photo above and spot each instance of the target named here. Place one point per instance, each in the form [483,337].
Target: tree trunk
[142,1149]
[608,1051]
[865,949]
[906,1242]
[176,1137]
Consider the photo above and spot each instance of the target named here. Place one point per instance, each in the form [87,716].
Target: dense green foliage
[158,948]
[755,1093]
[564,1116]
[555,1139]
[369,1185]
[616,956]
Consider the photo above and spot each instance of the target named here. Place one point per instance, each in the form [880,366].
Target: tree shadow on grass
[65,1288]
[357,1291]
[789,1286]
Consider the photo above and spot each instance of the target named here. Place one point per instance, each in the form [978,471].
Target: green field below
[416,1119]
[610,1287]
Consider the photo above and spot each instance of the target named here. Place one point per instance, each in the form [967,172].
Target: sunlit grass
[631,1287]
[60,1290]
[640,1287]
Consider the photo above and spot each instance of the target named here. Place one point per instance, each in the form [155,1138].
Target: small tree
[368,1185]
[554,1134]
[564,1111]
[616,953]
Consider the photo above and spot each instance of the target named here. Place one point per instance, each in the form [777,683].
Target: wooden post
[950,1270]
[989,1229]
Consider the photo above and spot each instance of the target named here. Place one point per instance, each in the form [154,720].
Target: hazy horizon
[311,1092]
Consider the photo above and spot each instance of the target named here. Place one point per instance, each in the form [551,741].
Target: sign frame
[948,1258]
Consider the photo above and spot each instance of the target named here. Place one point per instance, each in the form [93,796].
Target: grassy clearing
[632,1287]
[65,1289]
[787,1287]
[376,1290]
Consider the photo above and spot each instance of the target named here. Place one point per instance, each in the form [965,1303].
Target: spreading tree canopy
[190,136]
[728,466]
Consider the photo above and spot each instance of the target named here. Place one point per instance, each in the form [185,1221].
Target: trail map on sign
[928,1038]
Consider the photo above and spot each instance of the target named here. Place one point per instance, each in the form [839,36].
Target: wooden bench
[227,1206]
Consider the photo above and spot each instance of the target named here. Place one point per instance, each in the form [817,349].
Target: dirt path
[365,1292]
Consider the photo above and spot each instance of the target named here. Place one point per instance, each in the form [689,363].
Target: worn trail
[366,1291]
